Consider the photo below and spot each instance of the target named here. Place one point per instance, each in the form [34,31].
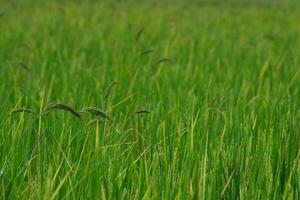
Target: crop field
[150,99]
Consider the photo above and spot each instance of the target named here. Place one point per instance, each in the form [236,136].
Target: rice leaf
[95,121]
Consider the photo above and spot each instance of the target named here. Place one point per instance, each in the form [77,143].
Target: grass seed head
[109,89]
[97,112]
[22,110]
[146,52]
[63,106]
[162,60]
[21,64]
[142,112]
[138,35]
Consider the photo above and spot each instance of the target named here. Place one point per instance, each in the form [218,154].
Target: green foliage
[206,104]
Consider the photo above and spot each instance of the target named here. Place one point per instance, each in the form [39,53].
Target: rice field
[149,99]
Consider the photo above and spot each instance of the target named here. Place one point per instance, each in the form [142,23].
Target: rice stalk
[142,112]
[162,60]
[62,106]
[96,112]
[138,35]
[95,121]
[22,110]
[21,64]
[109,89]
[146,52]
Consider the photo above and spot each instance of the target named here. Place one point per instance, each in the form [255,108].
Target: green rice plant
[206,104]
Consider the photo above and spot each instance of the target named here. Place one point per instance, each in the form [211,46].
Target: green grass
[225,111]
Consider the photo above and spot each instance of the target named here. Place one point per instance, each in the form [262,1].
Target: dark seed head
[146,52]
[97,112]
[21,64]
[63,106]
[22,110]
[162,60]
[109,89]
[138,35]
[142,112]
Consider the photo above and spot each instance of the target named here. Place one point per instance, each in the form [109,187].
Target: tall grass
[206,104]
